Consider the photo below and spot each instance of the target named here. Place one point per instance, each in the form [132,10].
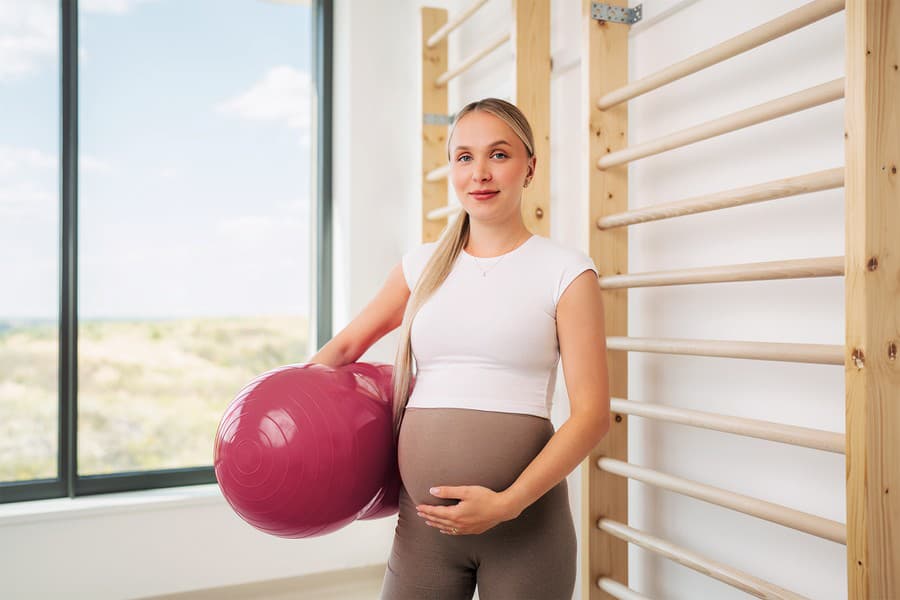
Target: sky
[194,158]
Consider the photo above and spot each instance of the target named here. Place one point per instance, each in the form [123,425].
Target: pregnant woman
[486,313]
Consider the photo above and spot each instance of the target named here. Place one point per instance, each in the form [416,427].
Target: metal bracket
[436,119]
[616,14]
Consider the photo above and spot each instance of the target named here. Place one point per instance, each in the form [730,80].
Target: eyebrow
[497,143]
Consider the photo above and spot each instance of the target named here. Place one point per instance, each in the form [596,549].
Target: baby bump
[455,446]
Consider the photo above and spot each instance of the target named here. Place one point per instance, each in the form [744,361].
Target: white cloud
[110,7]
[283,94]
[29,32]
[28,36]
[15,159]
[28,183]
[95,164]
[297,205]
[27,199]
[29,180]
[258,228]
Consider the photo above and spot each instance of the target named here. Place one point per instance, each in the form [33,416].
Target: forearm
[565,450]
[331,354]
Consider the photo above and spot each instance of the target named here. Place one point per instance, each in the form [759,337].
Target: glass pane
[193,219]
[29,239]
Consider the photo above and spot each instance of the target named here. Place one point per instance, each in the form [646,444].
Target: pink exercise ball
[305,449]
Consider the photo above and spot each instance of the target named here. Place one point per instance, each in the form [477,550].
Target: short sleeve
[577,263]
[407,267]
[413,262]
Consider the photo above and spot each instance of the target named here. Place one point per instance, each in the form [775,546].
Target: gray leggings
[531,557]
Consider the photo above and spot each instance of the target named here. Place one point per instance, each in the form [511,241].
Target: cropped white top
[488,341]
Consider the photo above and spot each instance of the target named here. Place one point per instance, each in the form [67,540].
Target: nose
[481,171]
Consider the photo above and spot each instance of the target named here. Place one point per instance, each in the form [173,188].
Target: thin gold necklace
[483,272]
[502,256]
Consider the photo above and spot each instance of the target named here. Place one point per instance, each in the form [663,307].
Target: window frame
[68,482]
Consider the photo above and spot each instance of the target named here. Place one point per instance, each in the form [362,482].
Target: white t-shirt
[488,342]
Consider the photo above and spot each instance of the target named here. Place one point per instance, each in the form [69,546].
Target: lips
[483,195]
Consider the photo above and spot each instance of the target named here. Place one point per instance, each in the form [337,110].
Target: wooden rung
[443,212]
[776,513]
[617,590]
[438,174]
[770,190]
[786,23]
[806,353]
[808,98]
[765,430]
[466,64]
[453,23]
[727,574]
[830,266]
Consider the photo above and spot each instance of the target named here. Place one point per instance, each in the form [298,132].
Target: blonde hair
[452,239]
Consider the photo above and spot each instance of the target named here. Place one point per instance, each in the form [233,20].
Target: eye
[460,159]
[503,154]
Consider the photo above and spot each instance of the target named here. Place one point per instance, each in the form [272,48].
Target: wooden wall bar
[872,297]
[434,136]
[531,93]
[604,68]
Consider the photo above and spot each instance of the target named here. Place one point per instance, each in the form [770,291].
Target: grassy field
[150,393]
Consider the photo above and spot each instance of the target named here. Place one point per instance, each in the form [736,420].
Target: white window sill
[18,513]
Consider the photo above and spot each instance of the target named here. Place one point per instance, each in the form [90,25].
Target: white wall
[191,543]
[809,310]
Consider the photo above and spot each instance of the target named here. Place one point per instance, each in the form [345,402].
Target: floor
[351,584]
[362,583]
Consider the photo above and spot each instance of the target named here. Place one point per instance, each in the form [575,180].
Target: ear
[531,166]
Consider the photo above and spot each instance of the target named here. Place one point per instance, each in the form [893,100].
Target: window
[174,265]
[29,240]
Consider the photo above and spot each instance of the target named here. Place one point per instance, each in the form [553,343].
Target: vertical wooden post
[531,93]
[604,67]
[435,106]
[872,297]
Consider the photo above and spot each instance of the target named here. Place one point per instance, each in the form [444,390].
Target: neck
[487,242]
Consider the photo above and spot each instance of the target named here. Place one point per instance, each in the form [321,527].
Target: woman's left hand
[479,509]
